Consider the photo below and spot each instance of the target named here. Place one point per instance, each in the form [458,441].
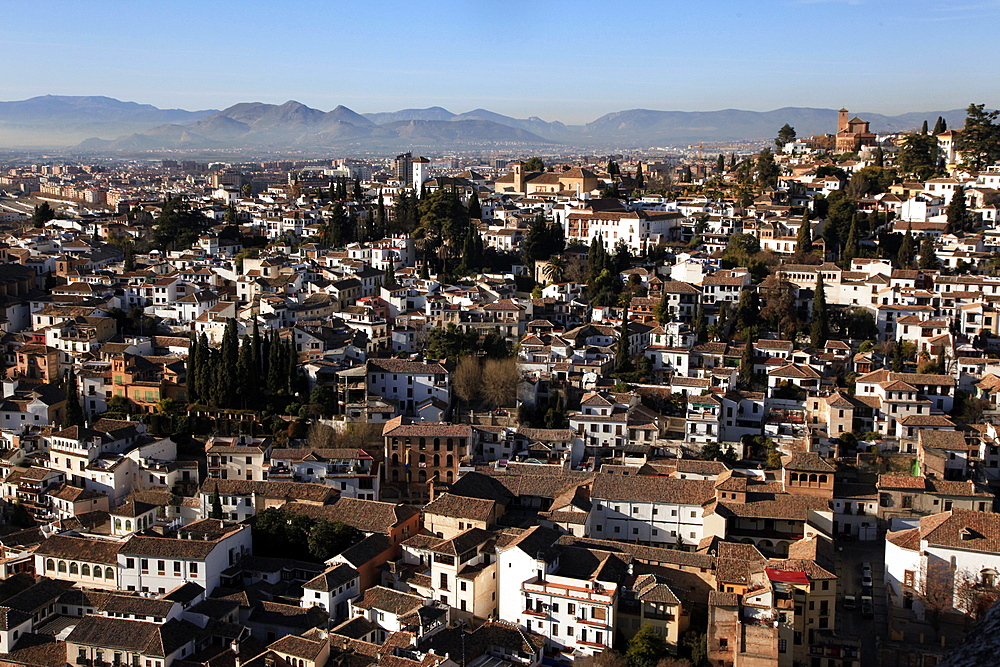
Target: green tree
[898,360]
[928,254]
[851,247]
[958,213]
[613,168]
[720,164]
[907,252]
[640,180]
[747,309]
[767,169]
[879,157]
[819,329]
[216,511]
[329,538]
[74,410]
[534,164]
[746,365]
[645,648]
[41,214]
[939,126]
[785,135]
[623,361]
[803,239]
[177,225]
[918,156]
[475,208]
[979,141]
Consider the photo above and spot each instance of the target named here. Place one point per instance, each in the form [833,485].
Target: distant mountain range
[107,125]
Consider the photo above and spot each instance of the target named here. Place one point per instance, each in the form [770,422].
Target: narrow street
[850,622]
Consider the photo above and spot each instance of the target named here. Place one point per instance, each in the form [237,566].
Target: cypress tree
[623,363]
[906,250]
[191,372]
[598,257]
[276,365]
[700,324]
[819,330]
[851,247]
[204,367]
[246,387]
[74,410]
[938,126]
[928,254]
[879,157]
[381,224]
[265,358]
[746,365]
[923,128]
[475,208]
[291,366]
[803,240]
[958,213]
[257,362]
[720,164]
[216,512]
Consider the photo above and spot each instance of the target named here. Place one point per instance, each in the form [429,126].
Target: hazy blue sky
[570,61]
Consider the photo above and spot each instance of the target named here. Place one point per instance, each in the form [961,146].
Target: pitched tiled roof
[652,489]
[80,548]
[460,507]
[152,639]
[963,529]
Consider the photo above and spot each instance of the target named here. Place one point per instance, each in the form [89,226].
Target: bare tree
[935,589]
[975,593]
[608,658]
[500,381]
[468,379]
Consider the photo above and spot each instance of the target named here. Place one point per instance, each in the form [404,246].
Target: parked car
[850,602]
[866,580]
[867,606]
[866,569]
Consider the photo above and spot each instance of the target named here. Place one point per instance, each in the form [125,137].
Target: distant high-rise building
[404,168]
[421,172]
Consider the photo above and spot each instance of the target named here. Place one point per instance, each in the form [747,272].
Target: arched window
[62,566]
[73,569]
[437,460]
[50,564]
[822,479]
[450,476]
[395,459]
[85,570]
[450,461]
[422,476]
[109,573]
[395,475]
[422,459]
[437,444]
[794,477]
[128,525]
[812,478]
[118,524]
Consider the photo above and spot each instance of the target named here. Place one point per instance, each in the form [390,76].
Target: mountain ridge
[104,124]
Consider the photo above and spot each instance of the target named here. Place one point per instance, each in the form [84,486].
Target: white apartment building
[199,554]
[661,511]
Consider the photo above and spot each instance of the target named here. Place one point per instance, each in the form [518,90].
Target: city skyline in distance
[568,62]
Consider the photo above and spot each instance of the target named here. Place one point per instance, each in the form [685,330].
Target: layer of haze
[569,61]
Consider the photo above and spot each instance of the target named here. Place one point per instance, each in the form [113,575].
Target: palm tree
[555,269]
